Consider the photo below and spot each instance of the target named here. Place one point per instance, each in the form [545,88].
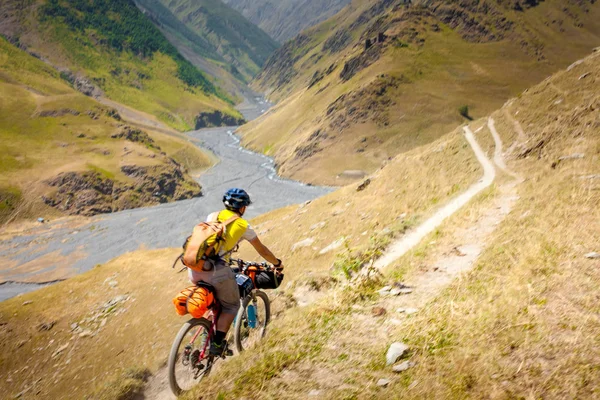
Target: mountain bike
[190,359]
[250,324]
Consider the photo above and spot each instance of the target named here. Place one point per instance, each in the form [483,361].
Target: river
[68,247]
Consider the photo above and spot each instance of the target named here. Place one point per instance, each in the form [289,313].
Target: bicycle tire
[173,359]
[241,317]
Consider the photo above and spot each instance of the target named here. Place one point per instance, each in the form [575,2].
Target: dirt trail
[468,242]
[400,247]
[461,249]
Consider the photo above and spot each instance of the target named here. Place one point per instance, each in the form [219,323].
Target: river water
[60,250]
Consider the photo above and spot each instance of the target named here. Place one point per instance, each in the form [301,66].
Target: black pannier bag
[268,280]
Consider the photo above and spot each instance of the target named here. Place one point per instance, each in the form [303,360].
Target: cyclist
[222,276]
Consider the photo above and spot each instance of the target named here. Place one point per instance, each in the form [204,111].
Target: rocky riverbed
[65,248]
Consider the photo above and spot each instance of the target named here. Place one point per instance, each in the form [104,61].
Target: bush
[464,111]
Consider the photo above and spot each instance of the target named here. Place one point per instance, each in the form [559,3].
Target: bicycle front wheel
[187,365]
[252,319]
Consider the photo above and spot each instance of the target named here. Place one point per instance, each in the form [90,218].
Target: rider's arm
[264,251]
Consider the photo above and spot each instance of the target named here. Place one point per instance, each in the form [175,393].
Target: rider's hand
[279,267]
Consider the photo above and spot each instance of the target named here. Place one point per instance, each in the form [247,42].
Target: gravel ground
[110,235]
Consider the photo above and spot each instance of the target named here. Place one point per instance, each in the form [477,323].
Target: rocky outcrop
[90,193]
[86,87]
[360,62]
[135,135]
[217,118]
[371,103]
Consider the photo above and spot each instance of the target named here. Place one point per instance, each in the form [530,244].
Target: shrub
[464,111]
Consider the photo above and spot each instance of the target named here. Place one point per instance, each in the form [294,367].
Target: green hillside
[215,32]
[340,95]
[55,142]
[284,19]
[108,48]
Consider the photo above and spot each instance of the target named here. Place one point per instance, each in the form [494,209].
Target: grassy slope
[152,283]
[243,48]
[284,19]
[123,54]
[522,324]
[434,79]
[34,147]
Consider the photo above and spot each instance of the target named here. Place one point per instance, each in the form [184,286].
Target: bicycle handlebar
[244,265]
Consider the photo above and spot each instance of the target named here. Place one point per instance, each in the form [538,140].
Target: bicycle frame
[213,316]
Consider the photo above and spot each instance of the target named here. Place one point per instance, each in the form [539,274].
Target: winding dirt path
[404,244]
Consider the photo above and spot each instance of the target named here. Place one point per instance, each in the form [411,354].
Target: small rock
[378,311]
[575,156]
[103,323]
[337,244]
[46,326]
[363,185]
[458,251]
[395,292]
[305,204]
[396,351]
[303,243]
[383,382]
[593,255]
[410,311]
[113,284]
[402,366]
[318,225]
[41,220]
[314,392]
[404,291]
[26,303]
[385,289]
[60,350]
[86,333]
[74,326]
[585,75]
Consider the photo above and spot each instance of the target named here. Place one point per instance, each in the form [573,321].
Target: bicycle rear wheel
[247,332]
[186,368]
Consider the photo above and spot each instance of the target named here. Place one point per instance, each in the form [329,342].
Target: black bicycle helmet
[235,198]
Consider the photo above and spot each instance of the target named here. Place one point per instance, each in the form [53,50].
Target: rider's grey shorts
[222,278]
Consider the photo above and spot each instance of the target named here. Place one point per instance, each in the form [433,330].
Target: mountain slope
[286,18]
[529,304]
[216,32]
[521,323]
[109,48]
[339,98]
[62,152]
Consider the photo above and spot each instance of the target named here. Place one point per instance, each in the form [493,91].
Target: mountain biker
[222,276]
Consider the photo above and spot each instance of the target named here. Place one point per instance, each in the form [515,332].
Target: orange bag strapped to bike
[195,300]
[204,243]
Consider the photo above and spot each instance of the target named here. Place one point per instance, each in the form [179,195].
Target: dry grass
[140,337]
[522,324]
[137,333]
